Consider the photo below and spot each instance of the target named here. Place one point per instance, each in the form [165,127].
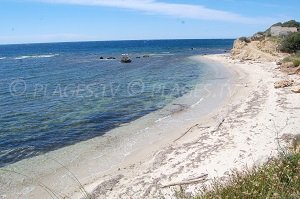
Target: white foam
[163,118]
[36,56]
[2,58]
[197,103]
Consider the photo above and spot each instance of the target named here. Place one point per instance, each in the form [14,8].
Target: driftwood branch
[197,125]
[218,127]
[215,130]
[201,178]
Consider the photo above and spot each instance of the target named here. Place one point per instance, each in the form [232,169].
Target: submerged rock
[111,58]
[101,58]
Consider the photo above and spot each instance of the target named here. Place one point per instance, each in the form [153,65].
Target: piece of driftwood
[218,127]
[197,125]
[215,130]
[201,178]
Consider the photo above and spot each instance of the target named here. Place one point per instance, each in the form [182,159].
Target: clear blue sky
[28,21]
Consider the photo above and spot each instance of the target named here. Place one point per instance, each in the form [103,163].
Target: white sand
[256,118]
[242,132]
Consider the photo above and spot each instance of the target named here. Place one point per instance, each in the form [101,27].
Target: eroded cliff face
[256,50]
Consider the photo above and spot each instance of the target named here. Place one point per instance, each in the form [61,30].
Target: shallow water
[54,95]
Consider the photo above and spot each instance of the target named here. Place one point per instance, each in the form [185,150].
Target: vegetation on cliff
[265,47]
[291,43]
[292,60]
[291,23]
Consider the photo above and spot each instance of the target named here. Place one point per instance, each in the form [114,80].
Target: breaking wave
[36,56]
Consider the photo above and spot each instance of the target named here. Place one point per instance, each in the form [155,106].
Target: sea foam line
[2,58]
[163,118]
[36,56]
[197,103]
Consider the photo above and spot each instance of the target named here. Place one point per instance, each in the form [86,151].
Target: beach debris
[125,58]
[198,179]
[283,83]
[217,128]
[106,186]
[191,128]
[296,89]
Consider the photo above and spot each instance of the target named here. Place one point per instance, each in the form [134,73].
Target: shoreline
[100,155]
[243,131]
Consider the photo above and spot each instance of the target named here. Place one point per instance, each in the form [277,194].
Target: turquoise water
[54,95]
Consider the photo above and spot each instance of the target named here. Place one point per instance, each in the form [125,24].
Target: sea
[53,95]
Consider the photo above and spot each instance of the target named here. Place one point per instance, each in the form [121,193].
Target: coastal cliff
[274,44]
[256,50]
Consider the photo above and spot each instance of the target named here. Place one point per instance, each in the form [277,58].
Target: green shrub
[245,39]
[291,43]
[296,62]
[287,59]
[278,179]
[291,23]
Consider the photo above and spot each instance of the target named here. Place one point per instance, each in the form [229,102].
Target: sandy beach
[189,148]
[250,127]
[149,99]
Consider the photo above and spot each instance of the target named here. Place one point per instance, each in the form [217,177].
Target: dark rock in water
[101,58]
[138,57]
[125,59]
[146,56]
[111,58]
[192,48]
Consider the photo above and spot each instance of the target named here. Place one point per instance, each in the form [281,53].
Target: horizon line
[83,41]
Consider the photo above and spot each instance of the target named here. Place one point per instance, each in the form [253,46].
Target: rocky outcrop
[296,89]
[282,31]
[256,50]
[289,68]
[283,83]
[111,58]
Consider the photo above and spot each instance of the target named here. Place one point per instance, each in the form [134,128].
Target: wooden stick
[197,125]
[201,178]
[215,130]
[218,127]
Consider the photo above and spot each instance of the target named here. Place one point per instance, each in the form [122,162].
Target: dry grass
[293,58]
[279,178]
